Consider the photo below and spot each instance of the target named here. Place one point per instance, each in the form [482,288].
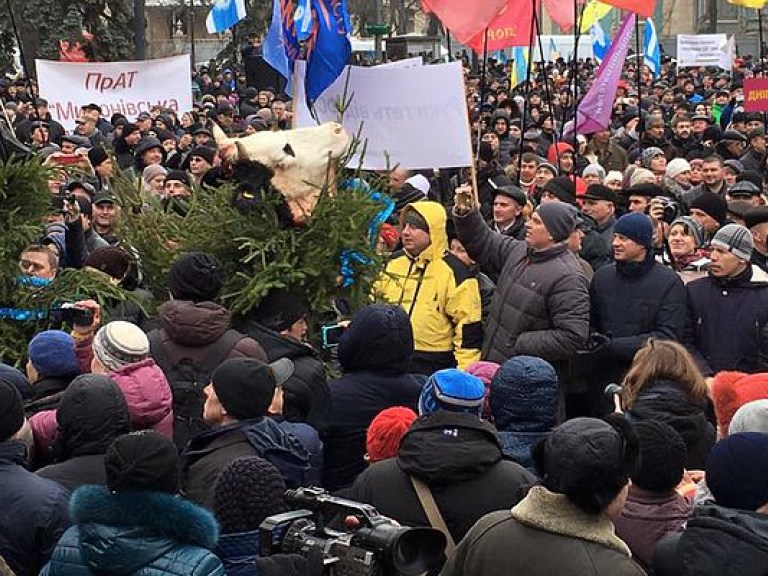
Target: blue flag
[652,56]
[328,46]
[600,42]
[281,45]
[224,14]
[303,19]
[519,73]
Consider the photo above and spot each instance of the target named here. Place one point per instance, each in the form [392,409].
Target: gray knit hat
[735,239]
[120,343]
[559,218]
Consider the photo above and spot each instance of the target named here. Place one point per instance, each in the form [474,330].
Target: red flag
[645,8]
[562,12]
[510,28]
[465,19]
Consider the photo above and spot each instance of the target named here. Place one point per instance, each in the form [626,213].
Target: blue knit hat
[637,227]
[524,395]
[52,353]
[737,471]
[452,390]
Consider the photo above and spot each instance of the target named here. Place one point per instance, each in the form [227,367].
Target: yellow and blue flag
[520,54]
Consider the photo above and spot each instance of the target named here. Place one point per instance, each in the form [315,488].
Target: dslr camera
[671,208]
[377,547]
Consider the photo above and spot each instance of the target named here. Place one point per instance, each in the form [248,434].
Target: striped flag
[600,42]
[520,66]
[652,56]
[224,14]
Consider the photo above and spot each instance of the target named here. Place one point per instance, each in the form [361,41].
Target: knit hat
[637,227]
[151,171]
[713,205]
[52,353]
[662,456]
[613,176]
[641,176]
[594,170]
[97,156]
[415,219]
[144,460]
[737,471]
[693,227]
[562,188]
[649,154]
[382,440]
[111,260]
[245,386]
[247,491]
[205,152]
[11,411]
[485,371]
[180,176]
[129,128]
[119,344]
[751,417]
[560,219]
[677,166]
[548,166]
[731,390]
[736,239]
[452,390]
[196,276]
[279,310]
[524,395]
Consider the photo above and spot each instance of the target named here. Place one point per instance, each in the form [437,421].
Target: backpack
[187,378]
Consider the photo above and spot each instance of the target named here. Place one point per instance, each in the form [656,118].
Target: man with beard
[682,138]
[609,155]
[754,157]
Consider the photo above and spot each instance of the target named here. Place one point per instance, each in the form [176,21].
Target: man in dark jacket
[634,299]
[464,469]
[727,324]
[508,203]
[34,510]
[754,157]
[541,304]
[374,353]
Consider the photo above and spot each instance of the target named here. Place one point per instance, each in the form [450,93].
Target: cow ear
[241,152]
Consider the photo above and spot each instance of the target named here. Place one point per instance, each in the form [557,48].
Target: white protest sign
[128,88]
[701,49]
[417,62]
[411,117]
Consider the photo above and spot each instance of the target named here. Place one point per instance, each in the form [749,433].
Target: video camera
[377,547]
[71,314]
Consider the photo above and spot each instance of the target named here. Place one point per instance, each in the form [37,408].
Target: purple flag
[595,108]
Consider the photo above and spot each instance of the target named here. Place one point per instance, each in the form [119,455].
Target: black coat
[465,471]
[375,360]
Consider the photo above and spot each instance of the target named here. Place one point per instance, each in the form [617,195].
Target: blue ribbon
[348,260]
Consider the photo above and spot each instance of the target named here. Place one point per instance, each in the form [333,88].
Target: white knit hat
[677,166]
[613,176]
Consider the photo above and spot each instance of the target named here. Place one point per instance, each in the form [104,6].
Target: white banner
[417,62]
[411,117]
[701,50]
[128,88]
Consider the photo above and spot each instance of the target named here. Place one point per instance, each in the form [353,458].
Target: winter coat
[465,471]
[667,402]
[308,370]
[146,392]
[612,157]
[543,535]
[135,533]
[208,453]
[46,394]
[374,355]
[541,304]
[717,541]
[240,555]
[727,324]
[33,513]
[649,517]
[753,160]
[632,302]
[92,415]
[440,296]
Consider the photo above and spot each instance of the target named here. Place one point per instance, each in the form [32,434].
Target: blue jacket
[33,513]
[136,533]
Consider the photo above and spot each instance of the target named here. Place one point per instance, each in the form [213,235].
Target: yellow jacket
[439,294]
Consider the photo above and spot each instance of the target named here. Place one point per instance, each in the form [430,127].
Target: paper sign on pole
[701,49]
[412,117]
[756,94]
[128,88]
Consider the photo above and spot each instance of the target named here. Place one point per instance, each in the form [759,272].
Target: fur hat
[737,471]
[144,460]
[385,432]
[196,276]
[731,390]
[119,344]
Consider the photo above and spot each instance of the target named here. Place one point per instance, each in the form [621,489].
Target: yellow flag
[756,4]
[595,11]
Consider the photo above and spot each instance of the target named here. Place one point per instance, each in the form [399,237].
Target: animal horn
[242,153]
[218,133]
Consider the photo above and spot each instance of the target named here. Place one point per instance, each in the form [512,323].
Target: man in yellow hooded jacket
[437,291]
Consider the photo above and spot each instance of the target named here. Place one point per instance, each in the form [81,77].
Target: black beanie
[129,128]
[562,188]
[247,491]
[713,205]
[196,276]
[180,175]
[97,156]
[279,310]
[11,411]
[662,456]
[144,460]
[245,386]
[206,153]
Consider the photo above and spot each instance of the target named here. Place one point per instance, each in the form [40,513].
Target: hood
[556,150]
[436,218]
[274,345]
[193,324]
[448,447]
[121,533]
[91,414]
[379,339]
[146,392]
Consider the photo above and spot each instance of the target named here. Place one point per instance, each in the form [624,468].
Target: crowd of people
[562,367]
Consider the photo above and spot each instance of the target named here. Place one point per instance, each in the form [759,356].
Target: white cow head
[303,159]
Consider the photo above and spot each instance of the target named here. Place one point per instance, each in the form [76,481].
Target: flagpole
[761,51]
[448,42]
[638,74]
[527,88]
[192,32]
[482,89]
[577,24]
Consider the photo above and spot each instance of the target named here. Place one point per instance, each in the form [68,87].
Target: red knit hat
[731,390]
[385,432]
